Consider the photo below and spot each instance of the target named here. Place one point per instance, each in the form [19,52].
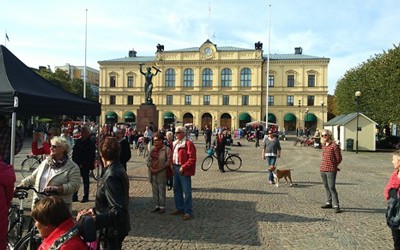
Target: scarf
[54,164]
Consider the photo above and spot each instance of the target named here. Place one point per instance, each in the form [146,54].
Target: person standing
[5,140]
[112,198]
[219,145]
[45,148]
[208,135]
[271,151]
[158,161]
[392,191]
[184,161]
[258,135]
[7,179]
[84,154]
[331,158]
[125,154]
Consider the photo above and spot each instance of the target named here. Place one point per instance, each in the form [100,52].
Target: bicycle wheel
[28,166]
[14,231]
[207,162]
[233,162]
[30,241]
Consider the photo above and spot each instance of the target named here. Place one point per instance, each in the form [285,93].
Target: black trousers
[396,239]
[85,179]
[220,158]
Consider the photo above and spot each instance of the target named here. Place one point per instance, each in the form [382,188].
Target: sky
[52,33]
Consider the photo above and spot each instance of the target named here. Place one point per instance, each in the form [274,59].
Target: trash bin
[349,144]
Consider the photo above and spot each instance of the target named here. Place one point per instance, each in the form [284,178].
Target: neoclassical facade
[218,86]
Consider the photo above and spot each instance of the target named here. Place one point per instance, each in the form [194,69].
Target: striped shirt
[331,157]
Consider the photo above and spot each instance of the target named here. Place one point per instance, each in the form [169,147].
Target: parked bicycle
[30,164]
[18,224]
[232,160]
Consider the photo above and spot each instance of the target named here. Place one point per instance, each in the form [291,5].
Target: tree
[378,79]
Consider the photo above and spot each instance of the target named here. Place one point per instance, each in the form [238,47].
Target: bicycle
[17,223]
[97,172]
[232,160]
[30,164]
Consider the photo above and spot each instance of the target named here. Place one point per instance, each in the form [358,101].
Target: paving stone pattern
[240,210]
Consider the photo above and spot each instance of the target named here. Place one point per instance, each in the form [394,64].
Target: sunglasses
[155,140]
[325,135]
[179,132]
[53,146]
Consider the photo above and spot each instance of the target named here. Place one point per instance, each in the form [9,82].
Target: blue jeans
[329,180]
[182,191]
[271,160]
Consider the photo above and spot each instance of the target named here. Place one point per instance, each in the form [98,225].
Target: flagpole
[268,55]
[84,69]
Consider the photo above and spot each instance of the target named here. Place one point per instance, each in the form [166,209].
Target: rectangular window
[169,100]
[271,81]
[225,100]
[270,100]
[112,99]
[310,100]
[130,81]
[188,100]
[245,100]
[311,80]
[290,80]
[206,100]
[130,100]
[290,100]
[112,81]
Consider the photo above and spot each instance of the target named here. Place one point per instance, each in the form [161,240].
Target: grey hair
[397,153]
[62,142]
[181,128]
[327,131]
[169,135]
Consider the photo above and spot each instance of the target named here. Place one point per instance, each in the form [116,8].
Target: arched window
[188,78]
[245,77]
[170,78]
[207,77]
[226,77]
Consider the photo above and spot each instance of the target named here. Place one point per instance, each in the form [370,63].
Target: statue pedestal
[145,114]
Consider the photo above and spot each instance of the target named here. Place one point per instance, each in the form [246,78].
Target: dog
[282,173]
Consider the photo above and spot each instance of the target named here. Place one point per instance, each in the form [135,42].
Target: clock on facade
[208,51]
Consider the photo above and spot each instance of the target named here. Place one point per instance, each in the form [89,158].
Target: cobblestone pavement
[240,210]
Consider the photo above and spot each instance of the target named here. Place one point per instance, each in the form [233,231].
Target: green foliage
[378,79]
[63,80]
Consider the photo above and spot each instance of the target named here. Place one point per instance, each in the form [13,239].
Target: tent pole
[13,128]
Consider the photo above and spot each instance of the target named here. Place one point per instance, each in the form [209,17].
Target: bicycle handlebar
[34,189]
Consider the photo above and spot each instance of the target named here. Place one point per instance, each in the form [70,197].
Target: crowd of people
[171,157]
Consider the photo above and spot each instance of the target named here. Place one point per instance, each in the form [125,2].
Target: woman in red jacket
[392,190]
[53,220]
[45,148]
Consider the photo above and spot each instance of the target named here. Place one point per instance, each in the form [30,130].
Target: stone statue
[148,86]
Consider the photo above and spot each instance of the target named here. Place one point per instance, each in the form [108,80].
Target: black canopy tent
[23,91]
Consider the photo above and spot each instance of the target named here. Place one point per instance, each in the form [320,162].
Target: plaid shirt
[331,157]
[5,143]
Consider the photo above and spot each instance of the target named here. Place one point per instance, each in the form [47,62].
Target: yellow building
[218,86]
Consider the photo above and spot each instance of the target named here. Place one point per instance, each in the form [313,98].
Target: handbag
[393,212]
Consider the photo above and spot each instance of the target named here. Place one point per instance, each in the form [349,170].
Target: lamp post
[322,106]
[306,119]
[358,95]
[299,116]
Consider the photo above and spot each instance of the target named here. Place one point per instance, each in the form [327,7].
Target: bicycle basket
[210,151]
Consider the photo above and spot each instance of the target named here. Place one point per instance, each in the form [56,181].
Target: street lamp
[358,95]
[299,116]
[322,106]
[306,119]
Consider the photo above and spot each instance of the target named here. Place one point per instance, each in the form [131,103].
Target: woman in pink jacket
[7,179]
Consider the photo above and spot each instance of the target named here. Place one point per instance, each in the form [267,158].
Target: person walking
[184,161]
[271,151]
[331,158]
[158,161]
[84,154]
[125,154]
[392,191]
[208,135]
[219,146]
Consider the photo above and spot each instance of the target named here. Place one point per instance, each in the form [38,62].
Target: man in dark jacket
[83,154]
[125,154]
